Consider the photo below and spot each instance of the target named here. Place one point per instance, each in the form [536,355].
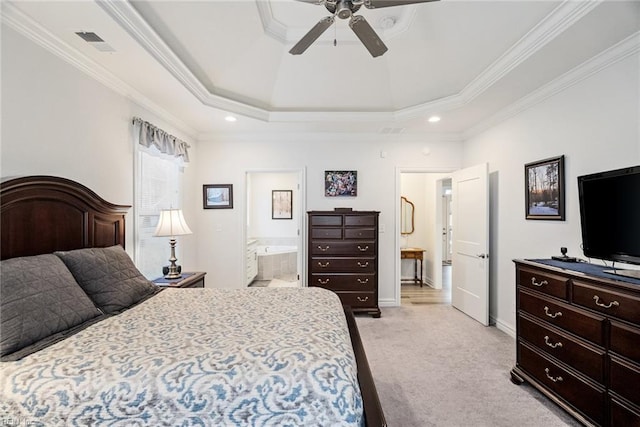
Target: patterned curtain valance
[150,135]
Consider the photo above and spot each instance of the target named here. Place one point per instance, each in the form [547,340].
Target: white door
[470,259]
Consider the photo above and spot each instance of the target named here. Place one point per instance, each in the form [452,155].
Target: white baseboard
[388,303]
[504,327]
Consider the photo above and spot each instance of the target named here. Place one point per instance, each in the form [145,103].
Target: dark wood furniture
[188,280]
[416,254]
[343,256]
[42,214]
[578,336]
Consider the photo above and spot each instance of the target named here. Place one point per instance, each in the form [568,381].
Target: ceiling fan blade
[312,35]
[367,36]
[376,4]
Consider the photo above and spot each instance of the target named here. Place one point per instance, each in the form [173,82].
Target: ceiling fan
[345,9]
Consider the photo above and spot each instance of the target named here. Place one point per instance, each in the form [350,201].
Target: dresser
[578,339]
[343,256]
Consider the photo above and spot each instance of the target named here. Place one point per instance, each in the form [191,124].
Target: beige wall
[58,121]
[595,125]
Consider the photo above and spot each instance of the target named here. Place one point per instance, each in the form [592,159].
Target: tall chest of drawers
[578,340]
[343,256]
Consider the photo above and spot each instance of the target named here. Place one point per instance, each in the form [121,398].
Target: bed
[86,340]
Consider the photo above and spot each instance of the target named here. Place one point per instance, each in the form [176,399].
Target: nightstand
[188,280]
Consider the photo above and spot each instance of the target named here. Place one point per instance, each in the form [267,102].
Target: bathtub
[277,262]
[273,250]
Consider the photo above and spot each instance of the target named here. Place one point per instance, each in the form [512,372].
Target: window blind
[159,187]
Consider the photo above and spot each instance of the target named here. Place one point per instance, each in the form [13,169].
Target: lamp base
[174,275]
[174,270]
[166,268]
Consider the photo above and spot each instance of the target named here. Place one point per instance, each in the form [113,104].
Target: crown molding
[17,20]
[561,18]
[130,20]
[616,53]
[331,116]
[554,24]
[303,137]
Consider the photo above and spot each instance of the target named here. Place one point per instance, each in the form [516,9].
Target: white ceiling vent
[95,40]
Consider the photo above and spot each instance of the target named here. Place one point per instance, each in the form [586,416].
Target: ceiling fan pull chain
[335,34]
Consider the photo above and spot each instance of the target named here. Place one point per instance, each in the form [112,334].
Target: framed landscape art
[544,189]
[217,196]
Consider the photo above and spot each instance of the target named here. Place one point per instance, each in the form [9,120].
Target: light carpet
[435,366]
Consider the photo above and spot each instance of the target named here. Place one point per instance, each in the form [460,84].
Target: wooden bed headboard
[43,214]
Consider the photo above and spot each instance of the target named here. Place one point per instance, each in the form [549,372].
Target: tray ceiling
[196,61]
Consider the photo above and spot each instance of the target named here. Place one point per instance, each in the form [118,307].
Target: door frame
[397,261]
[301,216]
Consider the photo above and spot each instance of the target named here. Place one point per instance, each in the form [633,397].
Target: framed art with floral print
[340,183]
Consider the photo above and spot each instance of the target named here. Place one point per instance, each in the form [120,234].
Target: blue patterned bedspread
[196,357]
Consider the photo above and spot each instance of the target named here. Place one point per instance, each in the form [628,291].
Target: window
[158,186]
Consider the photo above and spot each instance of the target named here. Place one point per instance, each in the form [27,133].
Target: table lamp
[171,224]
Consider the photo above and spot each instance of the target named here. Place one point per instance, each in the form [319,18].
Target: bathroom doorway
[426,280]
[273,228]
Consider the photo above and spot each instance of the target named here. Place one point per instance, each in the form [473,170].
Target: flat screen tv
[610,217]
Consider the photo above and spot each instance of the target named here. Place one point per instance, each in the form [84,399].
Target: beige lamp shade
[172,223]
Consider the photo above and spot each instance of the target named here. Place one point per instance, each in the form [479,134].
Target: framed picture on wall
[281,204]
[544,189]
[341,183]
[217,196]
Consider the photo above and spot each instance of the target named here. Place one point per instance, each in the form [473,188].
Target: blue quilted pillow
[40,298]
[109,277]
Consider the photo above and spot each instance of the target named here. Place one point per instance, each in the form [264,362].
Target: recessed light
[230,119]
[434,119]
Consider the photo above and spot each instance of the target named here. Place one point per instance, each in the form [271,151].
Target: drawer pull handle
[363,281]
[325,265]
[366,264]
[326,248]
[553,316]
[323,282]
[361,299]
[554,379]
[596,298]
[361,249]
[534,283]
[546,341]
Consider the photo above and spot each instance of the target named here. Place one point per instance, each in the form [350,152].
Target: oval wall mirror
[406,216]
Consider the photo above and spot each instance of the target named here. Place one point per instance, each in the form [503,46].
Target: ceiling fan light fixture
[343,10]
